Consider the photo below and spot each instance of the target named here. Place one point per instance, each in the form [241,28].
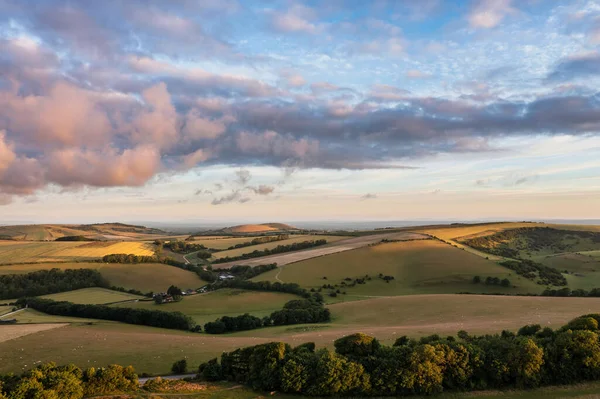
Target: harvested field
[9,332]
[270,245]
[92,296]
[145,277]
[338,246]
[22,251]
[222,242]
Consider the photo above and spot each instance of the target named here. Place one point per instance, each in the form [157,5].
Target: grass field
[92,296]
[221,242]
[30,316]
[154,350]
[144,276]
[270,245]
[25,251]
[418,267]
[227,302]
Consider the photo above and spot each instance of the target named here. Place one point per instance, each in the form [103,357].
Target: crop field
[328,249]
[221,242]
[227,302]
[13,331]
[270,245]
[418,267]
[24,251]
[145,277]
[92,296]
[154,350]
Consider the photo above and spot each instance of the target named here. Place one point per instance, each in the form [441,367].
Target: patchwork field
[154,350]
[144,277]
[42,232]
[418,267]
[227,302]
[270,245]
[328,249]
[92,296]
[24,251]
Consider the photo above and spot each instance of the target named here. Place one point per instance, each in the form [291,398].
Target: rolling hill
[100,231]
[267,228]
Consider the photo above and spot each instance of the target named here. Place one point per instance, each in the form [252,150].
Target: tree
[179,367]
[211,370]
[476,280]
[505,282]
[174,291]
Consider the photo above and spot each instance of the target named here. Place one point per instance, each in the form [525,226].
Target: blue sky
[299,110]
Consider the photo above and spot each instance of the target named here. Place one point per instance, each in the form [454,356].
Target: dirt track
[328,249]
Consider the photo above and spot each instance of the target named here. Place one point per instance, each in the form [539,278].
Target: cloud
[262,189]
[203,192]
[297,19]
[489,13]
[574,67]
[385,93]
[243,176]
[594,34]
[235,196]
[368,196]
[416,74]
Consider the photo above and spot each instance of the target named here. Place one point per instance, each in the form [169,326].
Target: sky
[293,110]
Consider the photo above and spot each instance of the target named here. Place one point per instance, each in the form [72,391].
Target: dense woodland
[49,381]
[44,282]
[361,366]
[297,246]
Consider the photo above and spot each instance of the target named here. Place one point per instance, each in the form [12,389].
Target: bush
[179,367]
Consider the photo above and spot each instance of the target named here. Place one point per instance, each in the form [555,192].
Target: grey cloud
[235,196]
[203,192]
[368,196]
[262,189]
[243,176]
[584,66]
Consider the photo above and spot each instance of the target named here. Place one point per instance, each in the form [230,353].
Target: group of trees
[44,282]
[289,288]
[146,317]
[565,292]
[129,258]
[181,247]
[492,281]
[260,240]
[300,311]
[49,381]
[530,270]
[297,246]
[75,238]
[361,366]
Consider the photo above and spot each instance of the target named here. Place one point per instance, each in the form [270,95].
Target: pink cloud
[489,13]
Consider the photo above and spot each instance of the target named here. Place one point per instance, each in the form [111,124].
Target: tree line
[530,270]
[145,317]
[260,240]
[361,366]
[51,281]
[297,246]
[298,311]
[49,381]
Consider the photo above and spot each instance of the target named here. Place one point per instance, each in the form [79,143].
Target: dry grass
[12,331]
[418,267]
[144,276]
[154,350]
[26,251]
[92,296]
[270,245]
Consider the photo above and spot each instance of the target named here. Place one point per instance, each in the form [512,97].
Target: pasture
[92,296]
[226,302]
[145,277]
[418,267]
[154,350]
[25,251]
[270,245]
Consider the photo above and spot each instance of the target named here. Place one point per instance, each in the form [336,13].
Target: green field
[5,309]
[92,296]
[418,267]
[221,242]
[31,316]
[145,277]
[154,350]
[226,302]
[270,245]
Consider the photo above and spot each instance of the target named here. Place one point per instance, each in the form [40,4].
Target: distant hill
[265,228]
[100,231]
